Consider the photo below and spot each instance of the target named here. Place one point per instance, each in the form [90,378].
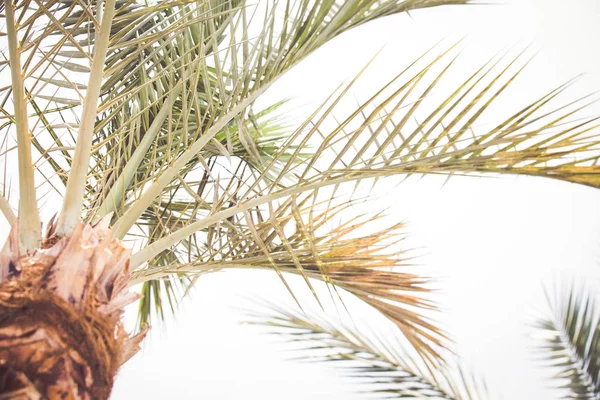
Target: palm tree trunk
[61,335]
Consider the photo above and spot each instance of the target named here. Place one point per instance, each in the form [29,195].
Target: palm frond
[538,140]
[70,213]
[571,342]
[299,236]
[378,364]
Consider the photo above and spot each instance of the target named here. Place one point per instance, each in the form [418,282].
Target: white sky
[492,242]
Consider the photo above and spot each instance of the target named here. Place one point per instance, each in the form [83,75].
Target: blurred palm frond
[381,366]
[570,342]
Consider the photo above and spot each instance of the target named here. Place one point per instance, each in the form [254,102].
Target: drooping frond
[570,342]
[379,364]
[299,236]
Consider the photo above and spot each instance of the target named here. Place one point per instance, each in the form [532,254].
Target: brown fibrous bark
[61,335]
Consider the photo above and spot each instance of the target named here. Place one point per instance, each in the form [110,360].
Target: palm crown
[144,121]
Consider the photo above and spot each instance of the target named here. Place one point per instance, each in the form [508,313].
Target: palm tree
[145,122]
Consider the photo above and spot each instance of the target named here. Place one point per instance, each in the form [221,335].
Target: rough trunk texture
[61,335]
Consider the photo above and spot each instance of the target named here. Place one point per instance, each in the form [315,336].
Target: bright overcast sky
[492,242]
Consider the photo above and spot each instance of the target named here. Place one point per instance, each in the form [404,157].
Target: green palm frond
[379,364]
[538,140]
[571,342]
[194,60]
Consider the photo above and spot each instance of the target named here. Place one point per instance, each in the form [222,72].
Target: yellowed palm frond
[297,237]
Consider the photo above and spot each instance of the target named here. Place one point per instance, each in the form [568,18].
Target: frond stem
[73,202]
[30,229]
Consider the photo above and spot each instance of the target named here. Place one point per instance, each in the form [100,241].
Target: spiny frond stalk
[73,200]
[381,364]
[570,342]
[30,227]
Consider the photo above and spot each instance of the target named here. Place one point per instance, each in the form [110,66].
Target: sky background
[492,242]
